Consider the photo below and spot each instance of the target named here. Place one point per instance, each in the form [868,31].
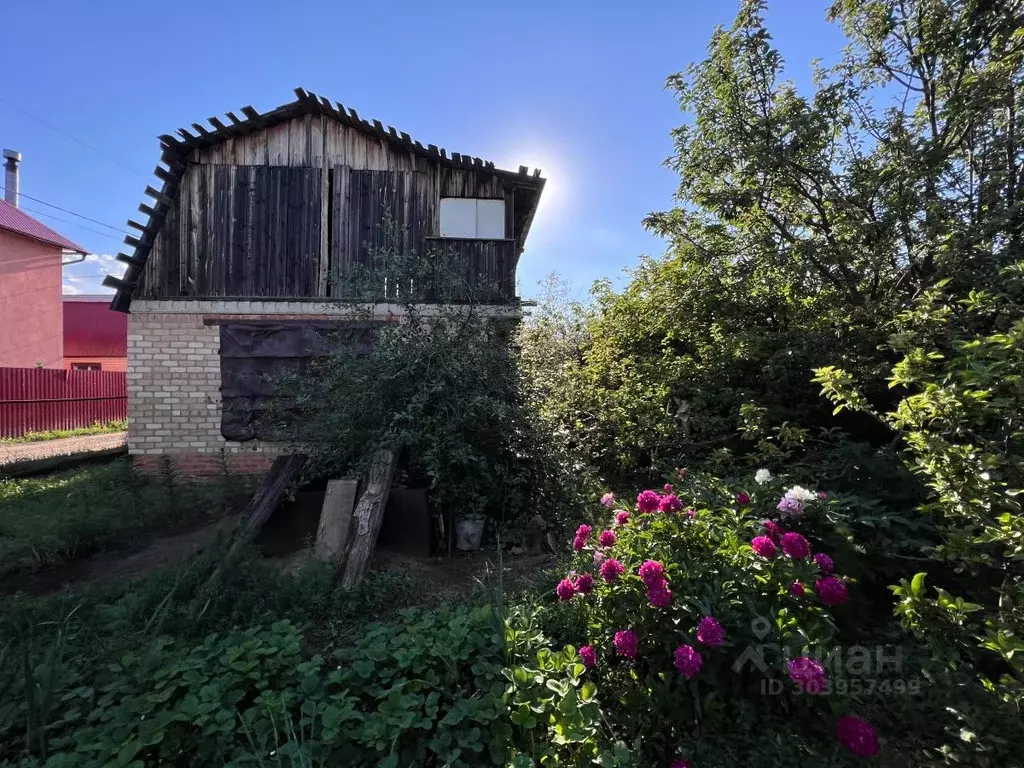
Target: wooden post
[368,515]
[332,534]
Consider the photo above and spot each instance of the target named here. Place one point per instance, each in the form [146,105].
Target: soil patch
[108,567]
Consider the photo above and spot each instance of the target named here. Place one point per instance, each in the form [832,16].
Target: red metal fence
[41,399]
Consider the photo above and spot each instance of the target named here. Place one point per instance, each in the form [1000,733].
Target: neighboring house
[95,337]
[31,255]
[250,248]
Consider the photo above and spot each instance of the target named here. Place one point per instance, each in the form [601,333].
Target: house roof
[176,150]
[15,220]
[92,329]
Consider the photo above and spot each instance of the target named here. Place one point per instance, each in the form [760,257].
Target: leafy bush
[959,418]
[688,611]
[433,690]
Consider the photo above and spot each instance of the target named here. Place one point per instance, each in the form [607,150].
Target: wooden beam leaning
[368,515]
[335,520]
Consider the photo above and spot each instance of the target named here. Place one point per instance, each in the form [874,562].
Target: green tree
[804,225]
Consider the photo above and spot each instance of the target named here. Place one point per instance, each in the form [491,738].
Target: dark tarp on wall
[252,355]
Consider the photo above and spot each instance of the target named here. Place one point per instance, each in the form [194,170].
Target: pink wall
[31,312]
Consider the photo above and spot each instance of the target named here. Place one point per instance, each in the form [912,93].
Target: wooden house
[254,240]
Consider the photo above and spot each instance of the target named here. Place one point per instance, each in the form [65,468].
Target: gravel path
[67,446]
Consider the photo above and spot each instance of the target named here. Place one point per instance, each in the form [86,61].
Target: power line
[72,223]
[65,210]
[99,152]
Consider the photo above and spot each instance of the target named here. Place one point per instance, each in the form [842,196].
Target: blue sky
[574,87]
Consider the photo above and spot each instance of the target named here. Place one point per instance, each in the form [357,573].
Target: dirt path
[67,446]
[108,567]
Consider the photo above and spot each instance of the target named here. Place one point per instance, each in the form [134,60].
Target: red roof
[18,221]
[93,329]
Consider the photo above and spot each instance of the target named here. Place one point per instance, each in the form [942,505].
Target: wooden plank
[156,195]
[324,261]
[190,198]
[341,215]
[367,517]
[277,144]
[335,517]
[126,259]
[298,141]
[283,472]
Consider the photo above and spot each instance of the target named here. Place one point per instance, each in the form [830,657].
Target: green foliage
[435,689]
[711,570]
[554,711]
[71,514]
[442,383]
[959,419]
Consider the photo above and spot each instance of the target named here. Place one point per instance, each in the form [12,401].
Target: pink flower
[742,498]
[857,735]
[764,547]
[659,594]
[691,512]
[808,674]
[688,661]
[711,632]
[648,501]
[795,546]
[790,507]
[824,563]
[611,569]
[668,487]
[822,495]
[565,589]
[796,589]
[680,764]
[588,656]
[831,590]
[582,535]
[651,572]
[773,529]
[584,583]
[621,517]
[599,557]
[625,643]
[607,538]
[670,503]
[608,499]
[681,472]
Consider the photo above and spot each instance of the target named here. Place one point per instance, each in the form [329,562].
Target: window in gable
[472,218]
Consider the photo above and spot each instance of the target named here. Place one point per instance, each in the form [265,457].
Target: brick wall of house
[174,398]
[174,401]
[31,314]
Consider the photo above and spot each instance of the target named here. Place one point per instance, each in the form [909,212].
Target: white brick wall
[174,387]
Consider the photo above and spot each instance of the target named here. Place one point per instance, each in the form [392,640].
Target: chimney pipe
[11,160]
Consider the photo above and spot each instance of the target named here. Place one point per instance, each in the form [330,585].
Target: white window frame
[471,218]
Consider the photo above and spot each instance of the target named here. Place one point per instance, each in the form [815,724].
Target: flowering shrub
[707,603]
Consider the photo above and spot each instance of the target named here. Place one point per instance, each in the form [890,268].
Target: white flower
[801,494]
[763,476]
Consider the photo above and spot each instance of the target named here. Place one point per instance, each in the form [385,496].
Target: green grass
[57,434]
[66,515]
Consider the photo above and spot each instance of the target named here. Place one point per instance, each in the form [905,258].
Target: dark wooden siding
[374,213]
[296,209]
[239,231]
